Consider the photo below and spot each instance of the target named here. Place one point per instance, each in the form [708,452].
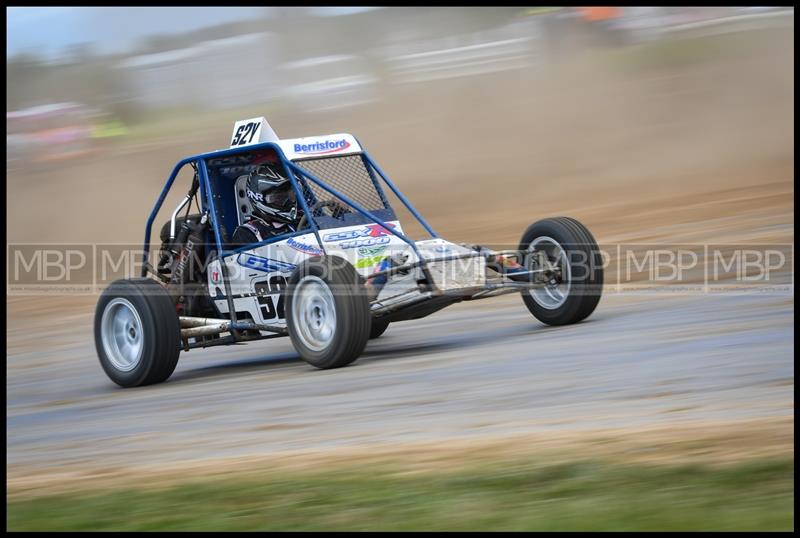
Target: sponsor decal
[368,262]
[371,230]
[371,235]
[371,251]
[215,276]
[264,264]
[321,148]
[376,230]
[365,242]
[443,249]
[302,247]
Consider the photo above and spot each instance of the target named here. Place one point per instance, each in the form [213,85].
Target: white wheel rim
[121,331]
[554,293]
[314,313]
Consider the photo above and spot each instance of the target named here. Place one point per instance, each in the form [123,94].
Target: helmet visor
[281,198]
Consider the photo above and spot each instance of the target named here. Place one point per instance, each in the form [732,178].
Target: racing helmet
[271,195]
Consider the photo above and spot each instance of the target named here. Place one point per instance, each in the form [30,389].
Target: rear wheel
[137,332]
[574,270]
[378,328]
[327,312]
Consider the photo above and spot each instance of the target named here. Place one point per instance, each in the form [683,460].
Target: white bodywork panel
[265,270]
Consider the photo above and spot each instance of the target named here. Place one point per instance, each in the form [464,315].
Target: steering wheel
[335,209]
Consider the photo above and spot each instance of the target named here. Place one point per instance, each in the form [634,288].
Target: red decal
[376,230]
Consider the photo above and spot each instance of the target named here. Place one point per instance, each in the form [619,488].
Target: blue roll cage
[292,171]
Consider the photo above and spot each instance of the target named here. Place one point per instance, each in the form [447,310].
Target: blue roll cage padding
[290,169]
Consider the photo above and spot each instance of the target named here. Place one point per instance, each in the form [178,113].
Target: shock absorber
[194,234]
[172,244]
[173,249]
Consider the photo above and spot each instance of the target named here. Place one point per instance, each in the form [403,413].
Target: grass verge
[525,495]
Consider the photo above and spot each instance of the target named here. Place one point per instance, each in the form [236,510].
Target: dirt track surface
[484,370]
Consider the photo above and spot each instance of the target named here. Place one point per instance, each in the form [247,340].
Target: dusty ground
[679,370]
[698,154]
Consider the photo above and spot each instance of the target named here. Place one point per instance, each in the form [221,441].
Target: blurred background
[651,126]
[577,107]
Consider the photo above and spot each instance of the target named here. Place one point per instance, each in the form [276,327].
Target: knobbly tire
[327,312]
[137,332]
[574,296]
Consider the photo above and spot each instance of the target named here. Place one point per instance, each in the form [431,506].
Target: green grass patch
[525,496]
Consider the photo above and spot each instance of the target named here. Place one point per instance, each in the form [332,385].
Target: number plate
[252,131]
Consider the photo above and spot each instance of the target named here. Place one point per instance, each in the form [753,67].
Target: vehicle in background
[48,133]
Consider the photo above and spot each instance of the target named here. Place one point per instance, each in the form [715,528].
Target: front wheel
[378,328]
[137,332]
[568,260]
[327,312]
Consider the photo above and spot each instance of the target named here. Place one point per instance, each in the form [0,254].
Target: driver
[274,207]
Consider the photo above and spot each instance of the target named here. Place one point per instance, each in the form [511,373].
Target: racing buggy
[336,275]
